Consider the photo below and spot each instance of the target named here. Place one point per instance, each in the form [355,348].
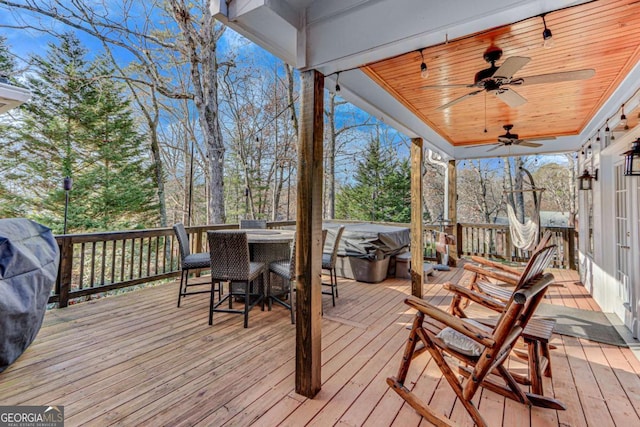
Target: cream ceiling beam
[12,96]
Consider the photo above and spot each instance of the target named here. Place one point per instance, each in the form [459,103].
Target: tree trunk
[201,51]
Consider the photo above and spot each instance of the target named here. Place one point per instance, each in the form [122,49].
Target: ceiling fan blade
[540,138]
[510,66]
[510,97]
[445,86]
[556,77]
[494,148]
[529,144]
[462,98]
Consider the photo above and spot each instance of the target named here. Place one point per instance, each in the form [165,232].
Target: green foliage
[7,64]
[381,191]
[79,125]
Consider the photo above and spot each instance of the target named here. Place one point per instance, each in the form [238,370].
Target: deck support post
[309,235]
[452,196]
[417,245]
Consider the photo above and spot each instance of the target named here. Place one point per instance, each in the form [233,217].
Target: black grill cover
[29,259]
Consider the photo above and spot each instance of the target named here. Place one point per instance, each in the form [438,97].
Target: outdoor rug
[587,324]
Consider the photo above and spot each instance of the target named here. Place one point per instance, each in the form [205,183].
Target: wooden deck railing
[94,263]
[494,241]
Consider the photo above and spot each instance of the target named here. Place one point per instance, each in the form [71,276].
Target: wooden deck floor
[136,359]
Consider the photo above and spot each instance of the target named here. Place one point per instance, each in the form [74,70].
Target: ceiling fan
[509,139]
[497,79]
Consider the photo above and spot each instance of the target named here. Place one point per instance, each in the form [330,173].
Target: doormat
[587,324]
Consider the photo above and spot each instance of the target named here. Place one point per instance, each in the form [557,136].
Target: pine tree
[78,126]
[381,191]
[7,64]
[11,203]
[117,180]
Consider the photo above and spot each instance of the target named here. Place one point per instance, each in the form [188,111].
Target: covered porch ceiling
[375,44]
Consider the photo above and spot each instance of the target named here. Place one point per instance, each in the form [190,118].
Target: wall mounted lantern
[584,180]
[632,159]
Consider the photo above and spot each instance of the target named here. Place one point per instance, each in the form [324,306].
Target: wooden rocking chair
[481,350]
[487,270]
[538,333]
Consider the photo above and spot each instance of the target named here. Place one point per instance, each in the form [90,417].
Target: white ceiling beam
[12,97]
[272,24]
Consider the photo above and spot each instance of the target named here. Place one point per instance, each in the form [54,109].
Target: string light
[424,70]
[623,119]
[546,35]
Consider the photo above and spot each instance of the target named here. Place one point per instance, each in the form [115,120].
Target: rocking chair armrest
[482,299]
[508,278]
[497,265]
[453,322]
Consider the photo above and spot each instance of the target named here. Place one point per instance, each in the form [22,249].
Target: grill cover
[29,260]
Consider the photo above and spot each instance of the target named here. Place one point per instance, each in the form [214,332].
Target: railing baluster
[131,261]
[93,265]
[122,256]
[104,262]
[155,270]
[149,256]
[81,281]
[113,262]
[140,257]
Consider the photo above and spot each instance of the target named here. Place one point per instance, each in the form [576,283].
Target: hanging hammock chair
[524,235]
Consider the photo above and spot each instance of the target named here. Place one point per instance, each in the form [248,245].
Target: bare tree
[480,197]
[336,140]
[433,184]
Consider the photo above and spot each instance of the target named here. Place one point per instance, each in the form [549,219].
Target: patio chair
[480,350]
[329,264]
[230,262]
[536,335]
[189,261]
[253,223]
[286,269]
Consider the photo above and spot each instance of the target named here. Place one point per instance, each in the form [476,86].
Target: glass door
[623,244]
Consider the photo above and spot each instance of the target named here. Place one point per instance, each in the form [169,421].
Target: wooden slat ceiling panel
[601,35]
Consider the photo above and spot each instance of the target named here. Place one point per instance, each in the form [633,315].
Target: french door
[623,241]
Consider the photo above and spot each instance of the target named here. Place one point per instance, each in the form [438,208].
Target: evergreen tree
[10,200]
[77,125]
[381,191]
[117,181]
[7,64]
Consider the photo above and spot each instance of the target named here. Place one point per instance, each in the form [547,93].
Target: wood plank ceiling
[602,35]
